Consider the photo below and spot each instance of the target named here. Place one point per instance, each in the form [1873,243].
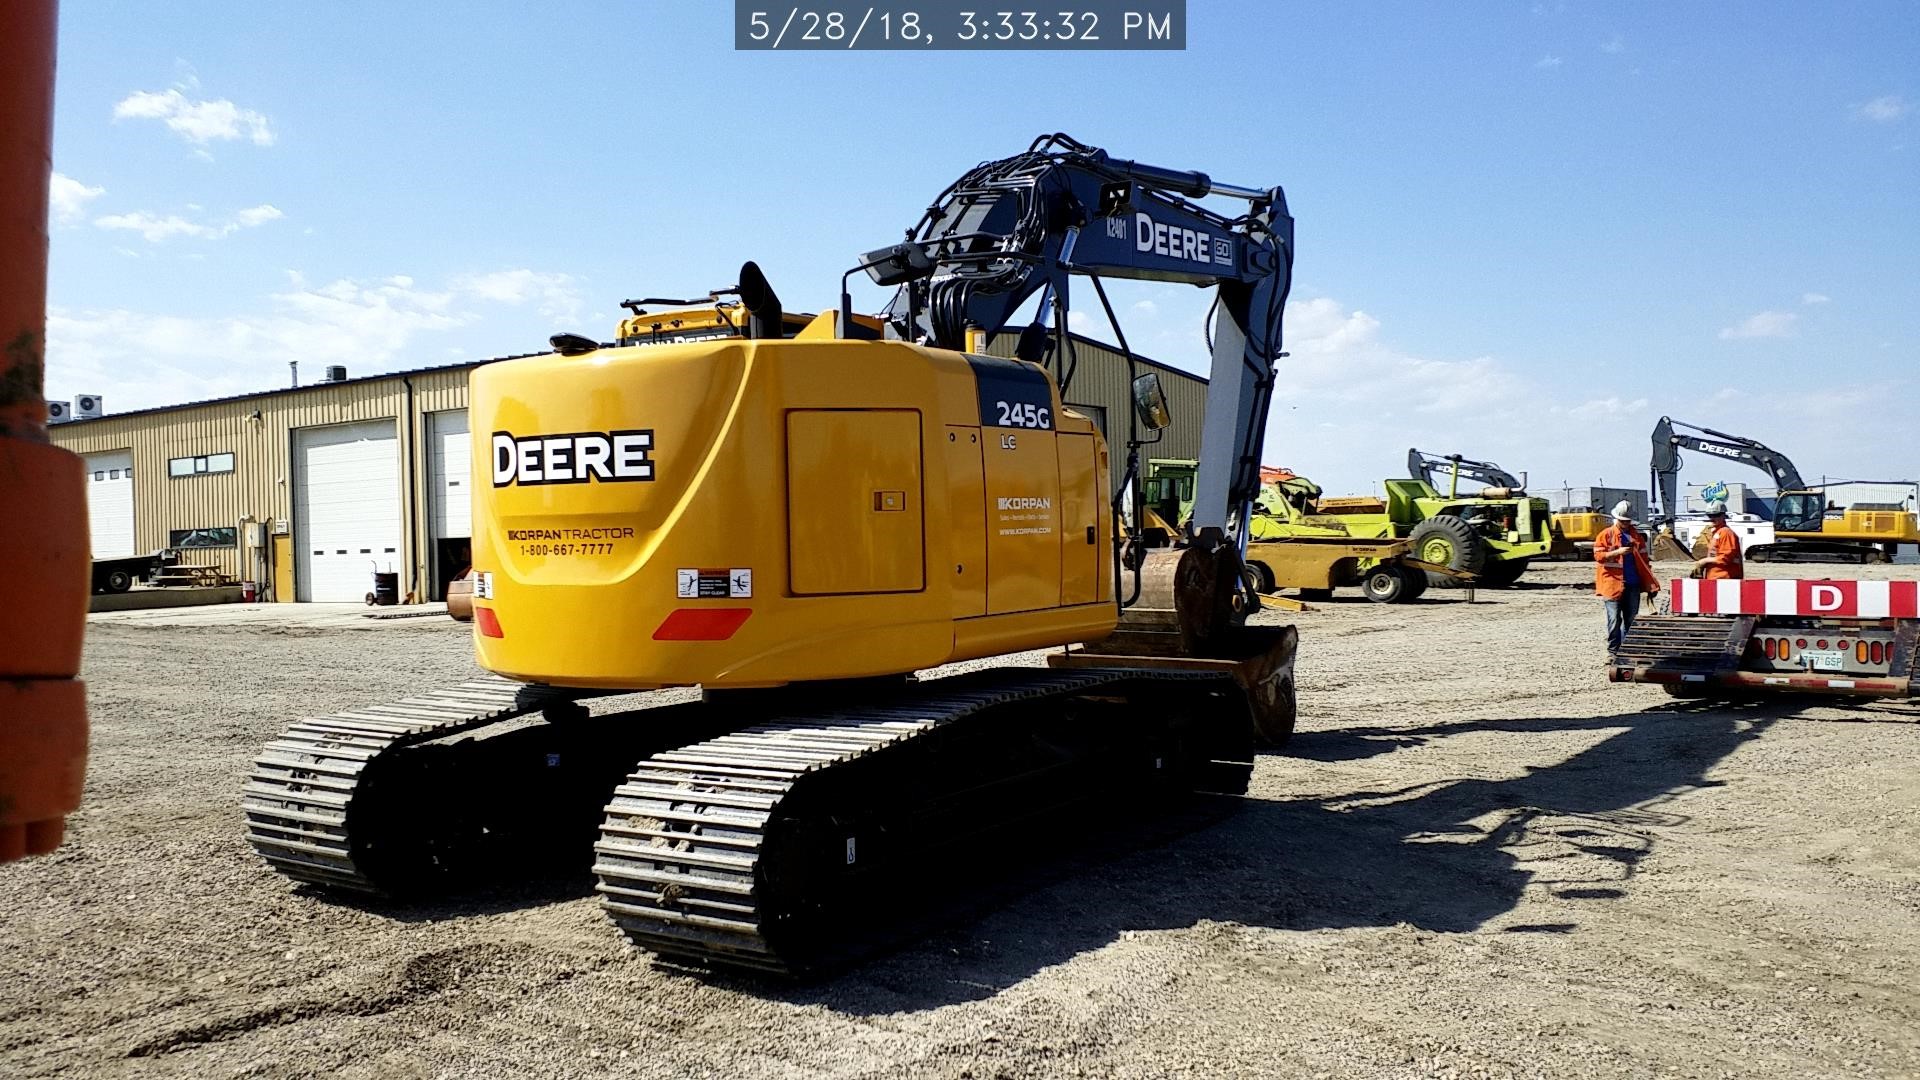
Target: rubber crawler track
[681,857]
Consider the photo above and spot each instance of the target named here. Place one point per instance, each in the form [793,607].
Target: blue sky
[1525,231]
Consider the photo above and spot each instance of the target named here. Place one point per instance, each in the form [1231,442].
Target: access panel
[854,501]
[1023,521]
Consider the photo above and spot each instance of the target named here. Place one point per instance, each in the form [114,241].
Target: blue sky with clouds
[1525,230]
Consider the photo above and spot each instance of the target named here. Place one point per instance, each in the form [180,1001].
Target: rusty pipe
[43,719]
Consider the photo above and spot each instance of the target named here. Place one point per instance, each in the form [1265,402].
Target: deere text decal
[606,456]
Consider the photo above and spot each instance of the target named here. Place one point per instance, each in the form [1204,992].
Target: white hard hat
[1623,510]
[1716,507]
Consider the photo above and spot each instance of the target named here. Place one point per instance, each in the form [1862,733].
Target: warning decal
[700,584]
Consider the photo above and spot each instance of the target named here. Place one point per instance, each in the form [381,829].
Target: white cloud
[369,326]
[157,230]
[67,198]
[1883,110]
[1546,63]
[199,122]
[1814,298]
[258,215]
[1767,324]
[1614,44]
[555,294]
[1609,407]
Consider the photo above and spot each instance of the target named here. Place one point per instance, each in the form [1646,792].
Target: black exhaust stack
[764,316]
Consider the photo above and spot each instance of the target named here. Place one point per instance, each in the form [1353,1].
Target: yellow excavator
[796,517]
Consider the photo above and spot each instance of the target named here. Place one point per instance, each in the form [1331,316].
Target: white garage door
[452,475]
[346,509]
[110,503]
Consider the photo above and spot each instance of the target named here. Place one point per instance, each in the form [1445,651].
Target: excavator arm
[1429,467]
[1024,225]
[1667,444]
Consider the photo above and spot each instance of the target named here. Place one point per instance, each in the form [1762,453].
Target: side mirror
[1150,402]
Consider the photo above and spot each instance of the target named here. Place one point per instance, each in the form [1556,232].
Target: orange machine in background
[45,546]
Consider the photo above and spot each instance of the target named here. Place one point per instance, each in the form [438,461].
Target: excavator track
[789,847]
[356,800]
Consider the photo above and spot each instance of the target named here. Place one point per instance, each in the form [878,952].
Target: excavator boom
[1431,467]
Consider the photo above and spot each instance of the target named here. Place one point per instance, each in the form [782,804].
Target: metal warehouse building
[310,489]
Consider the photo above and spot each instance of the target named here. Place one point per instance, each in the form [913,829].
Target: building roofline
[303,388]
[469,364]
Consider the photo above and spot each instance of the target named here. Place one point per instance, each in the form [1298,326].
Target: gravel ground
[1476,859]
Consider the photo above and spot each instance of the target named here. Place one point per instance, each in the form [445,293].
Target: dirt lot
[1477,859]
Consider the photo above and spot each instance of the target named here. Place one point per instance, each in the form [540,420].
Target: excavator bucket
[1667,549]
[1173,626]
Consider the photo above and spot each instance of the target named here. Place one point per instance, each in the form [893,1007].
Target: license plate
[1825,661]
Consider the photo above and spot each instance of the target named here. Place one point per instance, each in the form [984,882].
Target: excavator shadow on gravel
[795,516]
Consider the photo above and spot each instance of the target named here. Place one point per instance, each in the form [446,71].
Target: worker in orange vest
[1723,559]
[1621,573]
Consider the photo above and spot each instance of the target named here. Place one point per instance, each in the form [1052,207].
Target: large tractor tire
[1450,542]
[1503,573]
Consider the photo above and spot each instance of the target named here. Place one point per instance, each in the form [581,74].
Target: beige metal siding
[260,484]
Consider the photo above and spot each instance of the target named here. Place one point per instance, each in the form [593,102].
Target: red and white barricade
[1808,599]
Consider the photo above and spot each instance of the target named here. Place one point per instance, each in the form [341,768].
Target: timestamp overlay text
[961,25]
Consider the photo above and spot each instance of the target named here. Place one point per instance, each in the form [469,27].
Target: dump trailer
[1315,566]
[797,522]
[1734,637]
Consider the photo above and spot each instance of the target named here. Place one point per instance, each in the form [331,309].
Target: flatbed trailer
[118,575]
[1760,635]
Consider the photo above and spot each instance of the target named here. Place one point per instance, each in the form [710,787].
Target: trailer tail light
[1821,645]
[1800,643]
[1879,653]
[1860,652]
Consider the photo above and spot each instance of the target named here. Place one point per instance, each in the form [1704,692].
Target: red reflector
[701,624]
[1823,643]
[1800,643]
[485,621]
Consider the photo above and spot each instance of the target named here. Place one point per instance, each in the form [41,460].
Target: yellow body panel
[854,502]
[1873,526]
[1581,526]
[845,504]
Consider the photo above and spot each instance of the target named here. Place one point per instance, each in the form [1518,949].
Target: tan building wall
[259,431]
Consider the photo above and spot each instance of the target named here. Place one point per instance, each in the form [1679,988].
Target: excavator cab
[1799,512]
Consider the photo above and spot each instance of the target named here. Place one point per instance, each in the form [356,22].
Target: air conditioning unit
[88,406]
[59,412]
[336,373]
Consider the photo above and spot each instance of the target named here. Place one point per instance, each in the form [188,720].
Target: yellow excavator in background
[796,521]
[1806,526]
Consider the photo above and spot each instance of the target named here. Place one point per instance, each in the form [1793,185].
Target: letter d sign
[1825,598]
